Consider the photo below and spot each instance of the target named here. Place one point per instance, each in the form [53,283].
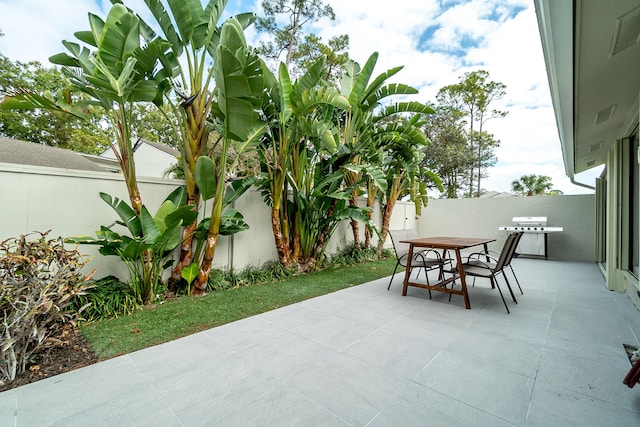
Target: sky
[436,41]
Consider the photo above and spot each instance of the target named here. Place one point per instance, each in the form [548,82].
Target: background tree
[43,126]
[473,95]
[534,185]
[300,50]
[447,154]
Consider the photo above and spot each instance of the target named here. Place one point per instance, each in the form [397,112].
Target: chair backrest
[514,246]
[507,251]
[402,249]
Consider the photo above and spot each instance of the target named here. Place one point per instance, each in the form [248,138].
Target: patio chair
[429,259]
[478,266]
[509,259]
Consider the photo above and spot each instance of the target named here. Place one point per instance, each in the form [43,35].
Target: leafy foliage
[534,185]
[300,50]
[105,298]
[51,128]
[149,242]
[39,280]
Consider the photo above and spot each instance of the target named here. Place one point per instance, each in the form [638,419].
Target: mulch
[63,352]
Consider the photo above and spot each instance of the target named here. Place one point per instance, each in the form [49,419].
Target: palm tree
[533,185]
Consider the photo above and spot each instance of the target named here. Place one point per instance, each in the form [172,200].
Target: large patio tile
[347,386]
[175,356]
[557,406]
[513,355]
[584,346]
[8,408]
[488,387]
[589,377]
[603,325]
[419,406]
[394,352]
[138,405]
[261,401]
[57,398]
[244,333]
[333,330]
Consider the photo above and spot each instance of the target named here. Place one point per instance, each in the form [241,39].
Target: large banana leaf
[191,21]
[361,81]
[205,177]
[389,90]
[125,212]
[235,82]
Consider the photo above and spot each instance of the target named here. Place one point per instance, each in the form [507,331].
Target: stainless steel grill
[534,240]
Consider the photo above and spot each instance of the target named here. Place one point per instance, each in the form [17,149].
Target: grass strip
[183,316]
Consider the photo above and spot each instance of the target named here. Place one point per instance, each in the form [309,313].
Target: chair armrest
[486,255]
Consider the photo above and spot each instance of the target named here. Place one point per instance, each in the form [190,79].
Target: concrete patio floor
[366,356]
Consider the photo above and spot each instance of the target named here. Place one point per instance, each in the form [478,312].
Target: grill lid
[529,220]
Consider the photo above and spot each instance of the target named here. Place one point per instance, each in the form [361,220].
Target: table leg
[463,279]
[407,271]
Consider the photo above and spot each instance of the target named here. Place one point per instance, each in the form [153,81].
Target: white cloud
[466,36]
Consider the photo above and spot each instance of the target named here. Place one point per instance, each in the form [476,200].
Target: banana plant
[403,144]
[304,194]
[237,73]
[150,240]
[112,69]
[357,136]
[193,33]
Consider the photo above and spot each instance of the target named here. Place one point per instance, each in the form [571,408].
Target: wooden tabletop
[448,242]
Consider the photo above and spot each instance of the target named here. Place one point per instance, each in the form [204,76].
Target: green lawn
[183,316]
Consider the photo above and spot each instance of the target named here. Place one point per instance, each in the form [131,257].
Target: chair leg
[516,277]
[394,273]
[508,286]
[502,296]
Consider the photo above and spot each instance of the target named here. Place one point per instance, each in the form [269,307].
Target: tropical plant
[300,185]
[42,126]
[149,243]
[120,72]
[39,280]
[403,170]
[194,35]
[533,185]
[359,138]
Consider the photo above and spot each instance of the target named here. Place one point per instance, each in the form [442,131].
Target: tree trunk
[355,226]
[200,285]
[282,244]
[386,218]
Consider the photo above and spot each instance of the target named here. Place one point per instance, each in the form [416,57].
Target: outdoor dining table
[455,244]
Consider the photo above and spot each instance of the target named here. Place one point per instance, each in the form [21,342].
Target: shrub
[352,255]
[38,281]
[106,298]
[250,275]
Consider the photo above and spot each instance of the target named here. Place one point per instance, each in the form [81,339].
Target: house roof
[161,147]
[592,53]
[31,153]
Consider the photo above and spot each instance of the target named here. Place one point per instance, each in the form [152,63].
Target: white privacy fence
[67,203]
